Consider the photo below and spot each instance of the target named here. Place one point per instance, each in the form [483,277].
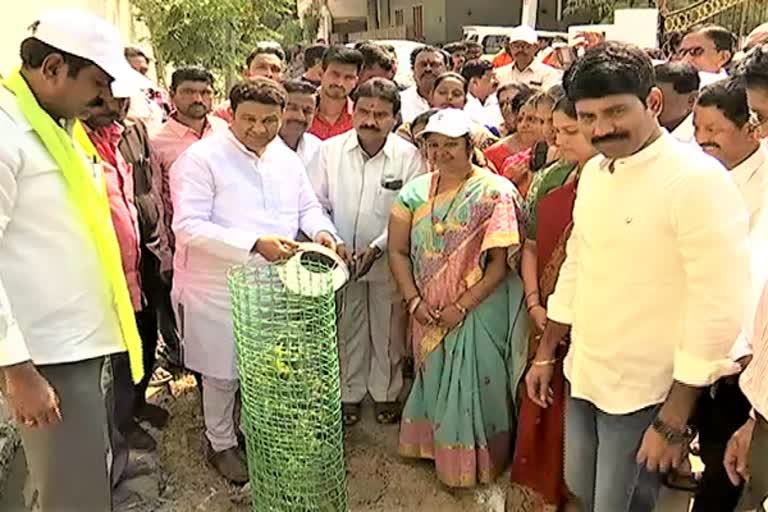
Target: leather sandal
[350,414]
[387,413]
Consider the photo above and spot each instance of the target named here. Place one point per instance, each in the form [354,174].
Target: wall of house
[480,12]
[15,22]
[433,15]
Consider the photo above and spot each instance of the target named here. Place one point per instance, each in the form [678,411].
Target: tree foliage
[216,34]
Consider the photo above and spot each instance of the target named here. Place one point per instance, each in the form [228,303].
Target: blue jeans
[600,452]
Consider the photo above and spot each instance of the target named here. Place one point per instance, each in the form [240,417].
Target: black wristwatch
[670,434]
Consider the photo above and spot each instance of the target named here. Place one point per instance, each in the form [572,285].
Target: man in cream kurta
[357,176]
[236,194]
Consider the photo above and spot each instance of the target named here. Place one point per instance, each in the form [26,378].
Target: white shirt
[685,131]
[751,178]
[358,191]
[488,114]
[653,284]
[55,306]
[412,104]
[706,78]
[537,75]
[224,199]
[307,148]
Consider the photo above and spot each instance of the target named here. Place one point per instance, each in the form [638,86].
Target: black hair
[340,54]
[299,86]
[458,46]
[473,44]
[724,39]
[754,67]
[610,68]
[517,86]
[380,88]
[537,98]
[135,51]
[520,99]
[190,74]
[556,92]
[33,52]
[314,55]
[422,49]
[422,118]
[259,90]
[374,54]
[452,74]
[566,106]
[682,75]
[728,96]
[476,69]
[266,47]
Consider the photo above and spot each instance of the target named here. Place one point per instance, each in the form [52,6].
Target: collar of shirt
[106,140]
[353,143]
[244,150]
[181,130]
[639,159]
[748,169]
[685,131]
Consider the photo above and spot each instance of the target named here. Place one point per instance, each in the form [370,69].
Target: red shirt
[502,59]
[323,130]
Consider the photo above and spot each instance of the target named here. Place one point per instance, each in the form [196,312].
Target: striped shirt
[754,380]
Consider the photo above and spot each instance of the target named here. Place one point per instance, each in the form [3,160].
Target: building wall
[480,12]
[433,15]
[15,22]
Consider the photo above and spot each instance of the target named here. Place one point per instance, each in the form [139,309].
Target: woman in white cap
[452,237]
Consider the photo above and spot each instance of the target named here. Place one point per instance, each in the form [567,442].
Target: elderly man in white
[236,194]
[357,176]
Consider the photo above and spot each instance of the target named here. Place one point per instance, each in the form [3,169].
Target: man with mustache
[648,335]
[523,44]
[65,308]
[341,69]
[357,176]
[428,63]
[679,84]
[721,121]
[267,60]
[300,109]
[237,195]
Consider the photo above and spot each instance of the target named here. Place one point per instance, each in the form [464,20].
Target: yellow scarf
[91,203]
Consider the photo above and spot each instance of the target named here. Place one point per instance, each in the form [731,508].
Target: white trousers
[219,396]
[371,342]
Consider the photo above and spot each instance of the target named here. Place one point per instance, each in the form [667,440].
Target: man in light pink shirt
[192,97]
[267,60]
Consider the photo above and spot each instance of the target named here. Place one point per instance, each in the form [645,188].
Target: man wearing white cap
[64,303]
[526,69]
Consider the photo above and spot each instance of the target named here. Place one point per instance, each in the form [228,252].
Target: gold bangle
[413,305]
[546,362]
[461,309]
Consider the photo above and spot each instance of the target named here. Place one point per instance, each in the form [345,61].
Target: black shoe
[230,465]
[154,414]
[139,439]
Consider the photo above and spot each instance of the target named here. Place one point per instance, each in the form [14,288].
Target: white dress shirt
[485,114]
[685,131]
[358,191]
[55,305]
[653,284]
[224,199]
[412,104]
[537,74]
[307,148]
[751,178]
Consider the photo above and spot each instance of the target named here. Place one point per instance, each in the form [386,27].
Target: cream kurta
[225,198]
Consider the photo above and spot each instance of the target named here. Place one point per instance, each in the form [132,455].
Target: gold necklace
[438,224]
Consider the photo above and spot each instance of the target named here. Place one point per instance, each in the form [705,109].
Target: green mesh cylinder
[289,379]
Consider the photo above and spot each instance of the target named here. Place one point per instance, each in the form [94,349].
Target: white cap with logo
[450,122]
[90,37]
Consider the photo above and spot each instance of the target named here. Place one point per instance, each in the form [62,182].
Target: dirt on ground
[378,479]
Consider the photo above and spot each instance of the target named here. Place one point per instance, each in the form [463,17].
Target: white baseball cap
[523,33]
[450,122]
[90,37]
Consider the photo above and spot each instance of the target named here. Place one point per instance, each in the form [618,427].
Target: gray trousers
[69,463]
[371,342]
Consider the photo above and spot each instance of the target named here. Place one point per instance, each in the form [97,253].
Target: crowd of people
[563,250]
